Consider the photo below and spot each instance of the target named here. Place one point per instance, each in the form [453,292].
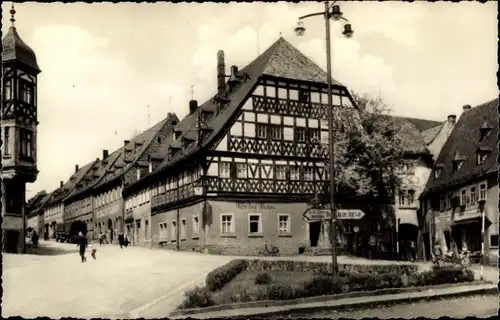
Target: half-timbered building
[79,204]
[131,162]
[463,185]
[54,207]
[19,123]
[244,165]
[34,212]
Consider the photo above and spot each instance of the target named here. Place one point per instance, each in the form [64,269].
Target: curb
[288,310]
[372,304]
[325,298]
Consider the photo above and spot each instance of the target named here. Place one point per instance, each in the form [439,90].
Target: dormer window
[481,154]
[457,165]
[481,157]
[437,171]
[485,130]
[457,162]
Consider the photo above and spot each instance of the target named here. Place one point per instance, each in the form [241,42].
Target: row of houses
[238,172]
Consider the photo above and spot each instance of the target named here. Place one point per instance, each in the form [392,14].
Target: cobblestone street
[119,281]
[132,282]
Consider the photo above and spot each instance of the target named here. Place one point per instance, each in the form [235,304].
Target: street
[461,307]
[136,282]
[115,284]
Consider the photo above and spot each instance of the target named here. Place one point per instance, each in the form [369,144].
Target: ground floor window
[173,231]
[163,232]
[196,226]
[284,223]
[254,223]
[183,229]
[494,241]
[227,222]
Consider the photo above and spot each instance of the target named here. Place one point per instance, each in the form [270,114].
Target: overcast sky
[103,64]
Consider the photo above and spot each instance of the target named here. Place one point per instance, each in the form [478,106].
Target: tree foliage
[369,150]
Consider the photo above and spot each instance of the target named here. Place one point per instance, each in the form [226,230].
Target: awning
[407,216]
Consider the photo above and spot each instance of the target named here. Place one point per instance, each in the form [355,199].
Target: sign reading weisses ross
[312,215]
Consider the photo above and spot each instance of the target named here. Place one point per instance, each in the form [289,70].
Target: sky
[109,70]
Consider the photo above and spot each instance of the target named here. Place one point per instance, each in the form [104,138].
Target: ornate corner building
[19,128]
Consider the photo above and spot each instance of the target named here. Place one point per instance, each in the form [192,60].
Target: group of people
[82,243]
[123,240]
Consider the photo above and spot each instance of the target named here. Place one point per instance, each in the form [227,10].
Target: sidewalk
[345,303]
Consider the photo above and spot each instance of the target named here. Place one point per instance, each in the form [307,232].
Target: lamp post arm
[312,15]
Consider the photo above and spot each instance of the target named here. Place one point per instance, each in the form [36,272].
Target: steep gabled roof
[431,133]
[464,141]
[95,174]
[61,193]
[32,203]
[40,204]
[137,146]
[280,60]
[423,124]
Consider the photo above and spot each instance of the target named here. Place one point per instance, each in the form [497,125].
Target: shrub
[442,275]
[325,285]
[197,298]
[283,292]
[263,278]
[221,276]
[241,294]
[325,268]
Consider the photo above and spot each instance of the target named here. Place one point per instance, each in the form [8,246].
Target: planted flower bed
[256,280]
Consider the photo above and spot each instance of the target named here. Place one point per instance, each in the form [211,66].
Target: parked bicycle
[462,258]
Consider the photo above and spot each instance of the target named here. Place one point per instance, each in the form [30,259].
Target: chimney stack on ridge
[221,73]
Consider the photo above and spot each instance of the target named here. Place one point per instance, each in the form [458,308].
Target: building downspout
[178,218]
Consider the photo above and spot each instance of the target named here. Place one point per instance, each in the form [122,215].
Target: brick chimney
[61,184]
[193,105]
[221,73]
[76,168]
[466,108]
[105,154]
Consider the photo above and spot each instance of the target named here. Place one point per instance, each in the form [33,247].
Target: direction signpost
[312,215]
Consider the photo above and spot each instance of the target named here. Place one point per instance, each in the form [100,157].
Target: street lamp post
[331,11]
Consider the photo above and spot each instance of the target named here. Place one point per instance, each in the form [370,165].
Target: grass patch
[244,284]
[256,280]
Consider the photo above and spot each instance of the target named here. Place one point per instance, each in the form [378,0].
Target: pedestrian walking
[34,239]
[126,242]
[121,240]
[93,249]
[81,243]
[100,239]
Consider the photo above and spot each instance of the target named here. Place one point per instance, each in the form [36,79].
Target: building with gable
[96,201]
[54,207]
[34,212]
[464,184]
[243,167]
[19,123]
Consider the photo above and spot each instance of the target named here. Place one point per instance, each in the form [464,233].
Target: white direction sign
[318,214]
[350,214]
